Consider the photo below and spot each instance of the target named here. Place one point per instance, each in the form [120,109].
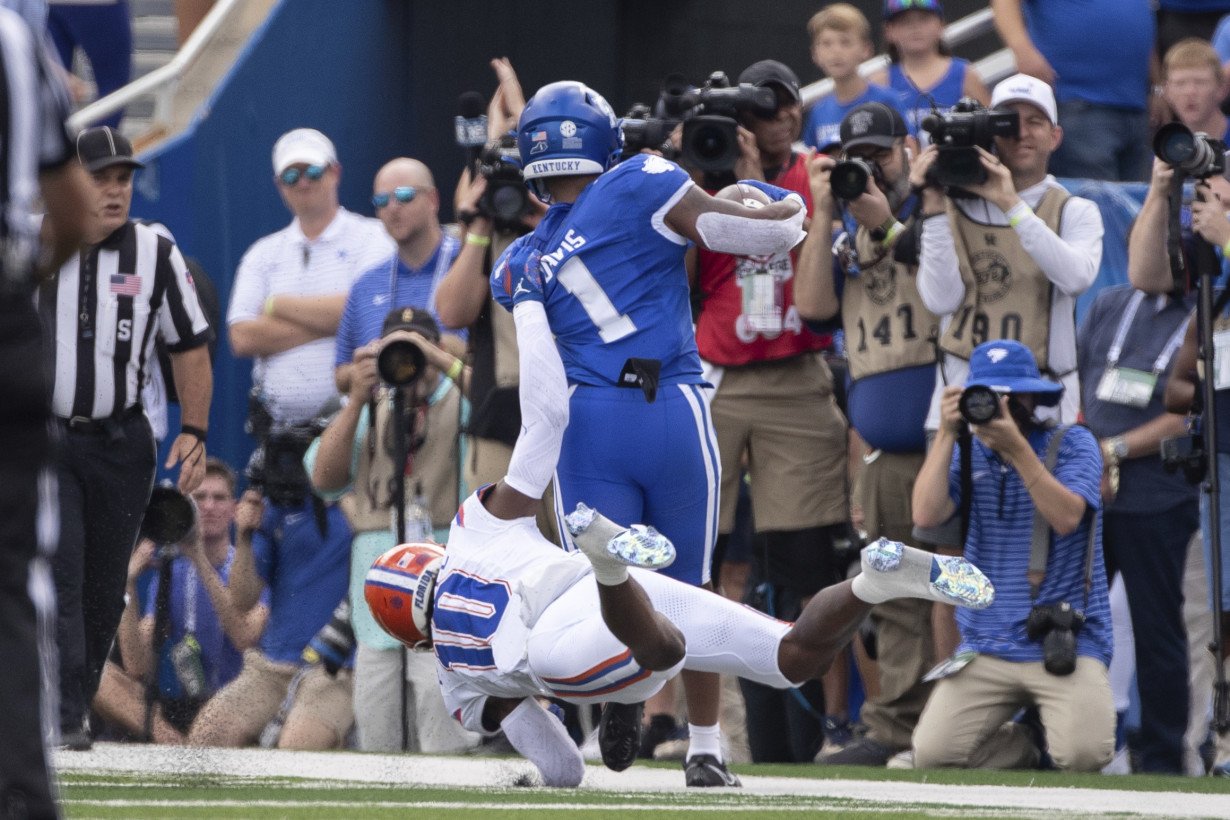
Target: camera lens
[978,404]
[849,178]
[1174,144]
[400,363]
[507,203]
[169,516]
[709,142]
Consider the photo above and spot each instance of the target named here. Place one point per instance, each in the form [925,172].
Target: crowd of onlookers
[830,410]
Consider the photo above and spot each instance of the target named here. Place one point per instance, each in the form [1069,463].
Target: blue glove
[518,278]
[774,193]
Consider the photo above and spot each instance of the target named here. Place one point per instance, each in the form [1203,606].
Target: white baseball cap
[1027,89]
[306,145]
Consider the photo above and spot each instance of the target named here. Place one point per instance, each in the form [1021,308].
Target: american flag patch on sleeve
[126,284]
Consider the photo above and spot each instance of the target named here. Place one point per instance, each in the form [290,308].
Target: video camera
[1195,154]
[709,115]
[642,129]
[958,134]
[506,200]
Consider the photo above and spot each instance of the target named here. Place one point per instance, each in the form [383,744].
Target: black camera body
[641,130]
[1195,154]
[276,466]
[401,363]
[1186,453]
[506,200]
[710,117]
[849,177]
[1056,626]
[978,404]
[958,134]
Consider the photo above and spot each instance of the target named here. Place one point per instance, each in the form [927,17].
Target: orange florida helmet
[399,589]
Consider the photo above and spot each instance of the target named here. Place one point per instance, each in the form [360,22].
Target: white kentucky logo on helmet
[997,354]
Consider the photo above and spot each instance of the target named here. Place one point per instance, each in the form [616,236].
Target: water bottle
[418,517]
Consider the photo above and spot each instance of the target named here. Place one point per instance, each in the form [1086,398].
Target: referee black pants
[25,786]
[105,481]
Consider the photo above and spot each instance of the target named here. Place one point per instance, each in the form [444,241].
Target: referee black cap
[102,147]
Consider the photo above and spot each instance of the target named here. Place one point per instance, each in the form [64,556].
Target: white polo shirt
[298,382]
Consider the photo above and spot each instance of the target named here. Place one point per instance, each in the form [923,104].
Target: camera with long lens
[169,516]
[1194,153]
[850,176]
[275,468]
[710,117]
[978,404]
[1056,626]
[641,129]
[506,200]
[958,134]
[1186,453]
[401,363]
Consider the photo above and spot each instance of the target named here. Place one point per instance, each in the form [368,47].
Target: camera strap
[1040,547]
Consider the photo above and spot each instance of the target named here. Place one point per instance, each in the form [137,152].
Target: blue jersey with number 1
[614,281]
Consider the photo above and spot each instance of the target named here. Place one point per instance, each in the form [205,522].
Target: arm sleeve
[543,740]
[1070,259]
[544,403]
[939,274]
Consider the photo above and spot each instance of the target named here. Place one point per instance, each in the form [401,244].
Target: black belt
[89,426]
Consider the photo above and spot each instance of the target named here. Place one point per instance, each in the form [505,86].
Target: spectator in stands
[103,30]
[1127,342]
[1099,63]
[1178,20]
[890,344]
[408,204]
[923,71]
[295,549]
[397,700]
[290,286]
[1193,85]
[207,632]
[1024,477]
[774,407]
[840,42]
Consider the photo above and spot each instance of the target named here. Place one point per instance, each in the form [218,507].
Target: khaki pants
[904,646]
[966,724]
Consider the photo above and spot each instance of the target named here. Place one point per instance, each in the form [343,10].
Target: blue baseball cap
[1007,366]
[894,7]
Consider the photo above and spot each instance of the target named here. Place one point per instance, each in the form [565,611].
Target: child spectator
[840,41]
[923,71]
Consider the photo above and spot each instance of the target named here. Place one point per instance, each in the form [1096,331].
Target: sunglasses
[403,194]
[291,176]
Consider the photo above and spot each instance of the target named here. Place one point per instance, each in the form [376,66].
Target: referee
[105,308]
[35,152]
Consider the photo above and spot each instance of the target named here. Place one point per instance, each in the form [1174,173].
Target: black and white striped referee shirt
[105,308]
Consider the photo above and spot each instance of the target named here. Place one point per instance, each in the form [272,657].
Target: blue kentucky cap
[1007,366]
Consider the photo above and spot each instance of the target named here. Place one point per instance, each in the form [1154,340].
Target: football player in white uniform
[512,618]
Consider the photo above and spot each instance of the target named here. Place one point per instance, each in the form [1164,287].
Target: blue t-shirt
[378,290]
[1099,48]
[1000,534]
[191,605]
[823,126]
[306,574]
[916,104]
[614,282]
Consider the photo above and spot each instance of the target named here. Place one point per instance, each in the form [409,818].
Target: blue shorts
[642,463]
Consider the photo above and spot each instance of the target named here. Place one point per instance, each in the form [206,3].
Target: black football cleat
[706,770]
[619,734]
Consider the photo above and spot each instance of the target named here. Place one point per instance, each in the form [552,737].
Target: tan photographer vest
[887,325]
[436,466]
[1007,296]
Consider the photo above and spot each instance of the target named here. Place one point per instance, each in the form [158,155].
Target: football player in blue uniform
[610,255]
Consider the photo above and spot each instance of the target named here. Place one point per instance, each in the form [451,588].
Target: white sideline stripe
[444,804]
[474,772]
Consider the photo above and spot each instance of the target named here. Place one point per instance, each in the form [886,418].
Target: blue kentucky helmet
[567,129]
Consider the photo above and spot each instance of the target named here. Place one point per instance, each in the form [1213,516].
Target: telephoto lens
[978,404]
[850,177]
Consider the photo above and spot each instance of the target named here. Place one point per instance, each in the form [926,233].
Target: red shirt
[722,332]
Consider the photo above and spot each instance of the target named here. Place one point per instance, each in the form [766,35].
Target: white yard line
[342,769]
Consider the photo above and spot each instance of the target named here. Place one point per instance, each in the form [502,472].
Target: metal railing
[992,68]
[161,82]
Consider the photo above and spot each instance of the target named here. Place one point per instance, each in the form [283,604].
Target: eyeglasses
[403,194]
[291,176]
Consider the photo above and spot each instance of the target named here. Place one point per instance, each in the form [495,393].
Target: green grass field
[149,782]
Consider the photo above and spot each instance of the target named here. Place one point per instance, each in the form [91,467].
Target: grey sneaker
[706,770]
[861,751]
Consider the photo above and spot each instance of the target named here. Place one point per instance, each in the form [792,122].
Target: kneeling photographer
[1005,250]
[400,426]
[1029,495]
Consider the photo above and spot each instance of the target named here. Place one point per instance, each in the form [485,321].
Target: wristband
[195,432]
[268,311]
[1225,250]
[454,370]
[1018,212]
[891,236]
[480,241]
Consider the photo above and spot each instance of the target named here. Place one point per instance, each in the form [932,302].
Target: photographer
[294,549]
[1045,641]
[868,280]
[354,462]
[1010,261]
